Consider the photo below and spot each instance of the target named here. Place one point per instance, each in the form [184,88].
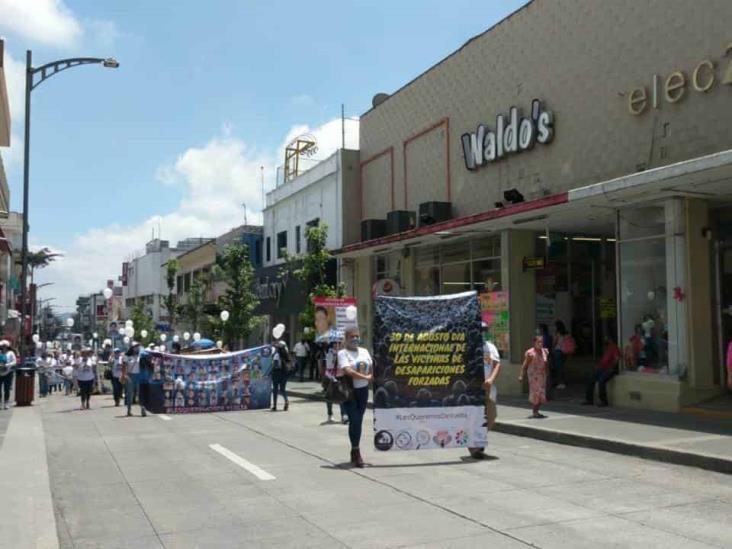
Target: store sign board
[533,263]
[673,87]
[511,135]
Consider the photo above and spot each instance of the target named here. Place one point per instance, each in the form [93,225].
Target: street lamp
[31,82]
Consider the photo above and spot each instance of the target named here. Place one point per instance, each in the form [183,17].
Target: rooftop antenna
[244,205]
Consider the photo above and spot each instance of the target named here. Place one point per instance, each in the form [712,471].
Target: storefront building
[572,163]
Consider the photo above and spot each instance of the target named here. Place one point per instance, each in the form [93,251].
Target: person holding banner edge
[356,362]
[491,369]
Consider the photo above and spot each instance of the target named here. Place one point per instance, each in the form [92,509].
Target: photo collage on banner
[209,383]
[332,316]
[428,373]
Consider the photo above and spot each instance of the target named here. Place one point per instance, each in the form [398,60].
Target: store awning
[589,210]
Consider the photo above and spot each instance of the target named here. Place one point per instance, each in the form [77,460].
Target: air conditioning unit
[434,212]
[372,228]
[399,221]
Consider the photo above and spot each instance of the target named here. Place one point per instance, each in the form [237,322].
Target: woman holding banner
[356,362]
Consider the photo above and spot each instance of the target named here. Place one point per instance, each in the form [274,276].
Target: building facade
[591,188]
[326,194]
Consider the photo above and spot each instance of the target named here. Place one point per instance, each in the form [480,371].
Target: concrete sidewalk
[26,508]
[682,439]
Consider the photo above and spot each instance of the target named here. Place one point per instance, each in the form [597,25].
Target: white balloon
[161,348]
[126,340]
[95,335]
[278,330]
[107,342]
[220,344]
[176,338]
[36,338]
[351,312]
[129,324]
[224,316]
[39,345]
[121,331]
[107,293]
[196,337]
[306,330]
[163,337]
[186,336]
[143,333]
[129,331]
[70,322]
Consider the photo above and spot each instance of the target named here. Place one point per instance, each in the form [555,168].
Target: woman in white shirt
[355,361]
[7,367]
[85,377]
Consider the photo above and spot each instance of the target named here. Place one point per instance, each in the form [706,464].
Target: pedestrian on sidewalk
[280,362]
[56,375]
[560,346]
[116,360]
[8,362]
[68,372]
[301,356]
[604,372]
[356,362]
[131,378]
[43,367]
[85,368]
[535,364]
[491,369]
[330,369]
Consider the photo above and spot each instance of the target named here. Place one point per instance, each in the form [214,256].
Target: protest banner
[333,315]
[209,383]
[428,372]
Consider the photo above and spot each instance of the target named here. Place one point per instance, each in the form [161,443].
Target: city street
[166,481]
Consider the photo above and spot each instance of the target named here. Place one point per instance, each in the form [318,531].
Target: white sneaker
[6,406]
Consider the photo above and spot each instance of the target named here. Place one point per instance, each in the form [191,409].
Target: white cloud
[216,178]
[47,22]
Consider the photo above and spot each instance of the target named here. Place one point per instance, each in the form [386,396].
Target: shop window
[187,282]
[427,281]
[651,319]
[257,253]
[309,225]
[298,238]
[487,275]
[455,252]
[456,278]
[269,249]
[179,284]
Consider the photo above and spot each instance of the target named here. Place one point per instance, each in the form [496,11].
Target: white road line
[164,417]
[258,472]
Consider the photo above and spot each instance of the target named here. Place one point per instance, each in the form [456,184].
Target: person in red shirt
[604,372]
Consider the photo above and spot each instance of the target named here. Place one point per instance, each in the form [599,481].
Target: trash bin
[25,383]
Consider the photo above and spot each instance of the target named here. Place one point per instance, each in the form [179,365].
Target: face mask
[354,342]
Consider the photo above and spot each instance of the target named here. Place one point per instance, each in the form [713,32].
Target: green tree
[234,267]
[171,300]
[40,259]
[142,321]
[310,269]
[194,308]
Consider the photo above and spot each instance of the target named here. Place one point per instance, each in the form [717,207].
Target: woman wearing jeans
[355,362]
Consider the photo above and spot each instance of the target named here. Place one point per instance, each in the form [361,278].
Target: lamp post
[31,82]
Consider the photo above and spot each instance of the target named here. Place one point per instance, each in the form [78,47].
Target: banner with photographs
[428,372]
[332,316]
[182,384]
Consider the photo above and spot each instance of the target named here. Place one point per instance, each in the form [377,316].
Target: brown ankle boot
[359,460]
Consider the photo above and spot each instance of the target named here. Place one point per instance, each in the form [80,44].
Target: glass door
[724,305]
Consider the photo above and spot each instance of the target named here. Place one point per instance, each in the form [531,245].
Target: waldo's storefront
[582,177]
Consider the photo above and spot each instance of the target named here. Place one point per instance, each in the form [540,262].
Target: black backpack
[281,351]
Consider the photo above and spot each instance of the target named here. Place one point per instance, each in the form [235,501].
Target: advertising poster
[182,384]
[494,312]
[428,373]
[333,315]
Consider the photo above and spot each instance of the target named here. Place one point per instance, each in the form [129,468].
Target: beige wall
[582,58]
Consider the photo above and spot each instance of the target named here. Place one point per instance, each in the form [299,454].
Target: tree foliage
[40,259]
[310,268]
[193,310]
[142,321]
[171,300]
[234,267]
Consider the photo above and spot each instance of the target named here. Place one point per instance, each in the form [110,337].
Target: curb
[654,453]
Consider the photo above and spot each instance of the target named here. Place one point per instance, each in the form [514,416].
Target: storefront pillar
[515,246]
[700,378]
[362,282]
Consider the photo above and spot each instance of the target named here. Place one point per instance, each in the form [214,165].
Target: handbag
[338,389]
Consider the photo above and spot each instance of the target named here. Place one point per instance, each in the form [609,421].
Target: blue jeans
[135,382]
[279,385]
[557,367]
[6,382]
[601,377]
[356,408]
[42,384]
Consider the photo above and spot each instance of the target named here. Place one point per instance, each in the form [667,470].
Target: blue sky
[206,93]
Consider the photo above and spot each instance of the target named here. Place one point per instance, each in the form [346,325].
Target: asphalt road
[263,479]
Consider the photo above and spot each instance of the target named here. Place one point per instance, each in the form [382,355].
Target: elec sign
[512,134]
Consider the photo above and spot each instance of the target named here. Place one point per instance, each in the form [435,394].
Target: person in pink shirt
[535,365]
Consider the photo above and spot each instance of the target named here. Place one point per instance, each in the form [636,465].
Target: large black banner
[428,372]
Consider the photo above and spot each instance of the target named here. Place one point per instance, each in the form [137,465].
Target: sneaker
[129,413]
[144,413]
[273,409]
[330,419]
[6,406]
[287,406]
[344,420]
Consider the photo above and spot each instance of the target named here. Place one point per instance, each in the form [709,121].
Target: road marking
[258,472]
[164,417]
